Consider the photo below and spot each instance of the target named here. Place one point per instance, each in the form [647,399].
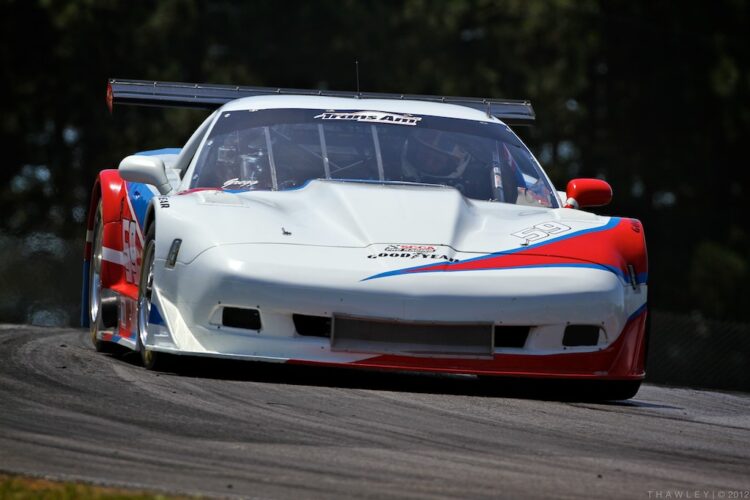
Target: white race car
[379,231]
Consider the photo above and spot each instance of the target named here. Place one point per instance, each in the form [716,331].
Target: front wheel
[102,309]
[152,360]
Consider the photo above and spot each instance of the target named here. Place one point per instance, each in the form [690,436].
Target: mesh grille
[434,339]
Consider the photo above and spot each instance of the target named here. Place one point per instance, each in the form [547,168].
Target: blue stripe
[156,152]
[140,196]
[154,316]
[625,279]
[613,221]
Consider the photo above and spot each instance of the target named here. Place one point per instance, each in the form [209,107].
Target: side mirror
[587,193]
[146,170]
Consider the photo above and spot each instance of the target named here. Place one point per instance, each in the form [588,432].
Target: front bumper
[330,281]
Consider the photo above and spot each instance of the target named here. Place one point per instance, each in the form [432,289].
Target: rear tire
[152,360]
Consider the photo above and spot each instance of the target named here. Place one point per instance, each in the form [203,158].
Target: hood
[362,214]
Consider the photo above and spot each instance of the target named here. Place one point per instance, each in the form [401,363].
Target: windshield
[281,149]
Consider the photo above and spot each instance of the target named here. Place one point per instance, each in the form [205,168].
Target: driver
[433,157]
[240,163]
[437,157]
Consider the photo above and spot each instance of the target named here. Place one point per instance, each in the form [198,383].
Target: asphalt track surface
[274,431]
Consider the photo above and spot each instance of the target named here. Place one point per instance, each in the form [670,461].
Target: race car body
[376,232]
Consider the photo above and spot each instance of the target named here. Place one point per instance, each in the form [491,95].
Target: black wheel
[103,311]
[152,360]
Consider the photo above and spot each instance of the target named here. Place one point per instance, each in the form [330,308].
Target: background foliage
[651,95]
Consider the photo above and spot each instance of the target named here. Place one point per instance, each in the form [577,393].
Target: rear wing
[209,96]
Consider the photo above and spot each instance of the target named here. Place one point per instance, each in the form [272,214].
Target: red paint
[615,248]
[622,360]
[110,97]
[111,190]
[589,192]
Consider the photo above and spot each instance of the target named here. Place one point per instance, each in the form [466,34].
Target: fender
[122,239]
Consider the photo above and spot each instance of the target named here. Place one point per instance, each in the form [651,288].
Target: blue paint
[585,265]
[155,317]
[613,221]
[157,152]
[140,196]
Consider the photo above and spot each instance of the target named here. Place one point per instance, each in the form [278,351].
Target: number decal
[531,234]
[552,227]
[541,231]
[129,250]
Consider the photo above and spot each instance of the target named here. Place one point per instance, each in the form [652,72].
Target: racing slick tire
[103,313]
[152,360]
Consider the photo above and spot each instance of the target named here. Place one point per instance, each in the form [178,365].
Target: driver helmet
[228,159]
[433,154]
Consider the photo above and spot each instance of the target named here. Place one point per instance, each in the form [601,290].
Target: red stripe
[615,248]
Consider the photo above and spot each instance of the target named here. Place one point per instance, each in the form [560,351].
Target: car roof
[403,106]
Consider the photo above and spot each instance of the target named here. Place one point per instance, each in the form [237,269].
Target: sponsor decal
[371,117]
[411,248]
[164,201]
[581,248]
[236,183]
[420,252]
[409,255]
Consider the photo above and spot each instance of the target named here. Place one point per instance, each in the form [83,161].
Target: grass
[21,488]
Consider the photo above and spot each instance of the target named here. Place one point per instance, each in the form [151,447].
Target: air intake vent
[413,338]
[511,336]
[581,335]
[237,317]
[312,326]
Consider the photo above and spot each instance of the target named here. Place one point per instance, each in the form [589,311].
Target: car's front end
[383,286]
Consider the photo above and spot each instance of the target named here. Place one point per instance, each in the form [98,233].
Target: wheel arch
[150,218]
[109,188]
